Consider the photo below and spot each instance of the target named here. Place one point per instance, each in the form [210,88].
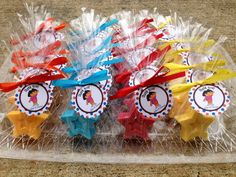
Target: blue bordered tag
[34,99]
[154,101]
[209,100]
[89,101]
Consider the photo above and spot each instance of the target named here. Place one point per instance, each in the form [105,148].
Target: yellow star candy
[193,124]
[11,99]
[26,125]
[180,105]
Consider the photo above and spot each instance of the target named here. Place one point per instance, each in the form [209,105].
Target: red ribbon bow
[158,78]
[51,65]
[149,41]
[121,78]
[9,86]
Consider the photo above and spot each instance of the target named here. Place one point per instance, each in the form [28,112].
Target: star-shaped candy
[78,124]
[11,99]
[26,125]
[193,124]
[180,105]
[136,125]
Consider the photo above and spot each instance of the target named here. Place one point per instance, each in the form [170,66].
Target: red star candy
[136,125]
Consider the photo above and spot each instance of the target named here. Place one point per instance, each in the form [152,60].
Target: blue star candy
[78,124]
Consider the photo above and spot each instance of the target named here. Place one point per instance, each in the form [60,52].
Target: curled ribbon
[120,78]
[38,30]
[142,23]
[9,86]
[141,30]
[147,42]
[219,75]
[158,78]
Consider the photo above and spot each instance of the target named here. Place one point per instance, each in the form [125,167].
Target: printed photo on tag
[154,101]
[197,75]
[210,100]
[34,99]
[89,101]
[195,58]
[142,75]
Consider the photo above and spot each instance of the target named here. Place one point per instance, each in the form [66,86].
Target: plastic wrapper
[132,87]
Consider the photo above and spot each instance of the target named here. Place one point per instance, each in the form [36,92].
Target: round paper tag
[197,75]
[34,99]
[142,75]
[89,100]
[195,58]
[154,101]
[210,100]
[45,38]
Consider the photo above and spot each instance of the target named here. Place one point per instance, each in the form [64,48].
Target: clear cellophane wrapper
[108,145]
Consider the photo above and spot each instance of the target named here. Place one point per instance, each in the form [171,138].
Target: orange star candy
[26,125]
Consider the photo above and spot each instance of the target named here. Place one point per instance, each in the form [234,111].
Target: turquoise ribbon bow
[92,79]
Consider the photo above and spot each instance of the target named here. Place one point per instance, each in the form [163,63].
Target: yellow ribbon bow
[207,66]
[218,75]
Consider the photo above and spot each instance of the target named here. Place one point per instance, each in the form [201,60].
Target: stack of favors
[102,84]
